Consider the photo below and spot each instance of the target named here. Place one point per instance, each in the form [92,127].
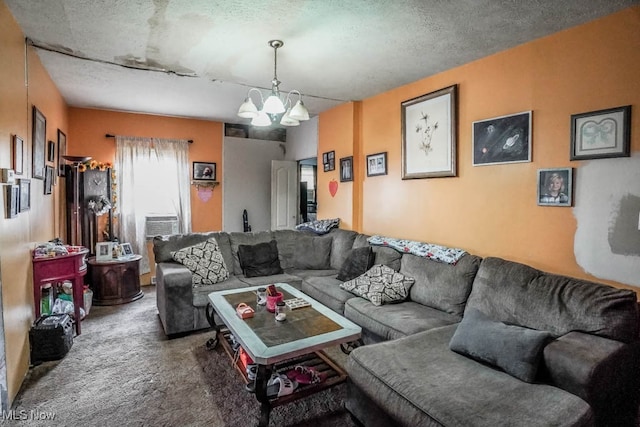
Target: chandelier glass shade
[273,107]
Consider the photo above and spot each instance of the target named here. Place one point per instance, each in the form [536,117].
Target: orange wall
[41,223]
[87,138]
[492,210]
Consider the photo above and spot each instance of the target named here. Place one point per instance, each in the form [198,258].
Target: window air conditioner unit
[161,226]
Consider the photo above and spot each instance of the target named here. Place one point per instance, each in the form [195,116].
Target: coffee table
[279,346]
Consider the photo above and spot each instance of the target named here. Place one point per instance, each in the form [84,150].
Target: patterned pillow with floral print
[380,285]
[426,250]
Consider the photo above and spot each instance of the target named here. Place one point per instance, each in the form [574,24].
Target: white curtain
[152,176]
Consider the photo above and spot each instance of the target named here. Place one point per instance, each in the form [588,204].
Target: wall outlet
[153,280]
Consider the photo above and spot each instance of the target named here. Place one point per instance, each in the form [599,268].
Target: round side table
[115,282]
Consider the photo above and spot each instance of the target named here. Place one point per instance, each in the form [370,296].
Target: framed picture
[377,164]
[429,129]
[48,179]
[62,151]
[51,151]
[12,197]
[18,155]
[601,134]
[346,169]
[25,194]
[103,251]
[555,187]
[39,141]
[204,171]
[329,161]
[127,250]
[504,139]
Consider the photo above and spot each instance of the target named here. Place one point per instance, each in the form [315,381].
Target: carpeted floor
[123,371]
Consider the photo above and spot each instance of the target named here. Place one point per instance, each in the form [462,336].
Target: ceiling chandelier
[274,105]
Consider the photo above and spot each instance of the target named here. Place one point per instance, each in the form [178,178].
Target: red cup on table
[272,300]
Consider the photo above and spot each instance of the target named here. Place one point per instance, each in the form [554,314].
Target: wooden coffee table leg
[262,378]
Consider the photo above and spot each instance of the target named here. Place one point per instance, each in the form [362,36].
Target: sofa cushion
[391,321]
[387,256]
[327,291]
[320,226]
[201,294]
[260,259]
[520,295]
[303,251]
[514,349]
[358,262]
[342,243]
[431,385]
[380,285]
[439,285]
[205,262]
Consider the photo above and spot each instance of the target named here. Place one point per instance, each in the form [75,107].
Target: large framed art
[504,139]
[39,143]
[429,135]
[601,134]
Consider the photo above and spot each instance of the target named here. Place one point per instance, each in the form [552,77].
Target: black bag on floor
[51,337]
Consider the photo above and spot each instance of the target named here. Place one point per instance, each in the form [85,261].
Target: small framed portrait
[103,251]
[377,164]
[51,151]
[48,179]
[127,250]
[601,134]
[204,171]
[25,194]
[346,169]
[18,154]
[12,197]
[555,187]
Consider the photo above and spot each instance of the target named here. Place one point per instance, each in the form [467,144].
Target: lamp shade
[299,111]
[273,105]
[262,119]
[248,109]
[287,120]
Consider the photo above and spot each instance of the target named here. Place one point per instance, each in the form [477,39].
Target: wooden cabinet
[115,282]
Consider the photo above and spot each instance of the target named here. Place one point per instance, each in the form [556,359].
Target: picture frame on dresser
[601,134]
[104,251]
[127,250]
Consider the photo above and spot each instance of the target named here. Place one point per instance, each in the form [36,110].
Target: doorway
[308,185]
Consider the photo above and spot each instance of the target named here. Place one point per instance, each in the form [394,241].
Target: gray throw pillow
[259,260]
[356,264]
[514,349]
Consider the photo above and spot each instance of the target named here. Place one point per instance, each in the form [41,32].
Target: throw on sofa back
[517,294]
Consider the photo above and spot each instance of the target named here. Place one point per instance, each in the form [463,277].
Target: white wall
[302,141]
[246,182]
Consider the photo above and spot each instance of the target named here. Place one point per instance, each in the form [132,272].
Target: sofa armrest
[601,371]
[174,297]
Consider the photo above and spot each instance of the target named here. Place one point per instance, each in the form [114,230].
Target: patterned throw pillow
[321,226]
[205,262]
[380,285]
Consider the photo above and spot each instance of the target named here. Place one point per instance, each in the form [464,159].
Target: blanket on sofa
[426,250]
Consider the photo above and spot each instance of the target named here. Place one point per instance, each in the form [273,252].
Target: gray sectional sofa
[586,347]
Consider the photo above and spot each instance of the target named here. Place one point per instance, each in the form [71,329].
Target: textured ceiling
[196,58]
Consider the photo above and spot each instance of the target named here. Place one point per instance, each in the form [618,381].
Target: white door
[284,194]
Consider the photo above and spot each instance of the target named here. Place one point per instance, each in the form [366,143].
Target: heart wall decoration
[333,187]
[205,194]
